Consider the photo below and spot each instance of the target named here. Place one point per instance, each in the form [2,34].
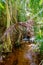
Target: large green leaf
[1,6]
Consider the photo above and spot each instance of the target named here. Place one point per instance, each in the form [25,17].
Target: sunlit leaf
[1,6]
[40,33]
[41,1]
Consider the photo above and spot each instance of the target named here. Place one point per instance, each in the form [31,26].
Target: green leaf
[41,1]
[1,6]
[41,48]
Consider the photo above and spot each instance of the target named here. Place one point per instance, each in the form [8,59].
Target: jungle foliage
[13,11]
